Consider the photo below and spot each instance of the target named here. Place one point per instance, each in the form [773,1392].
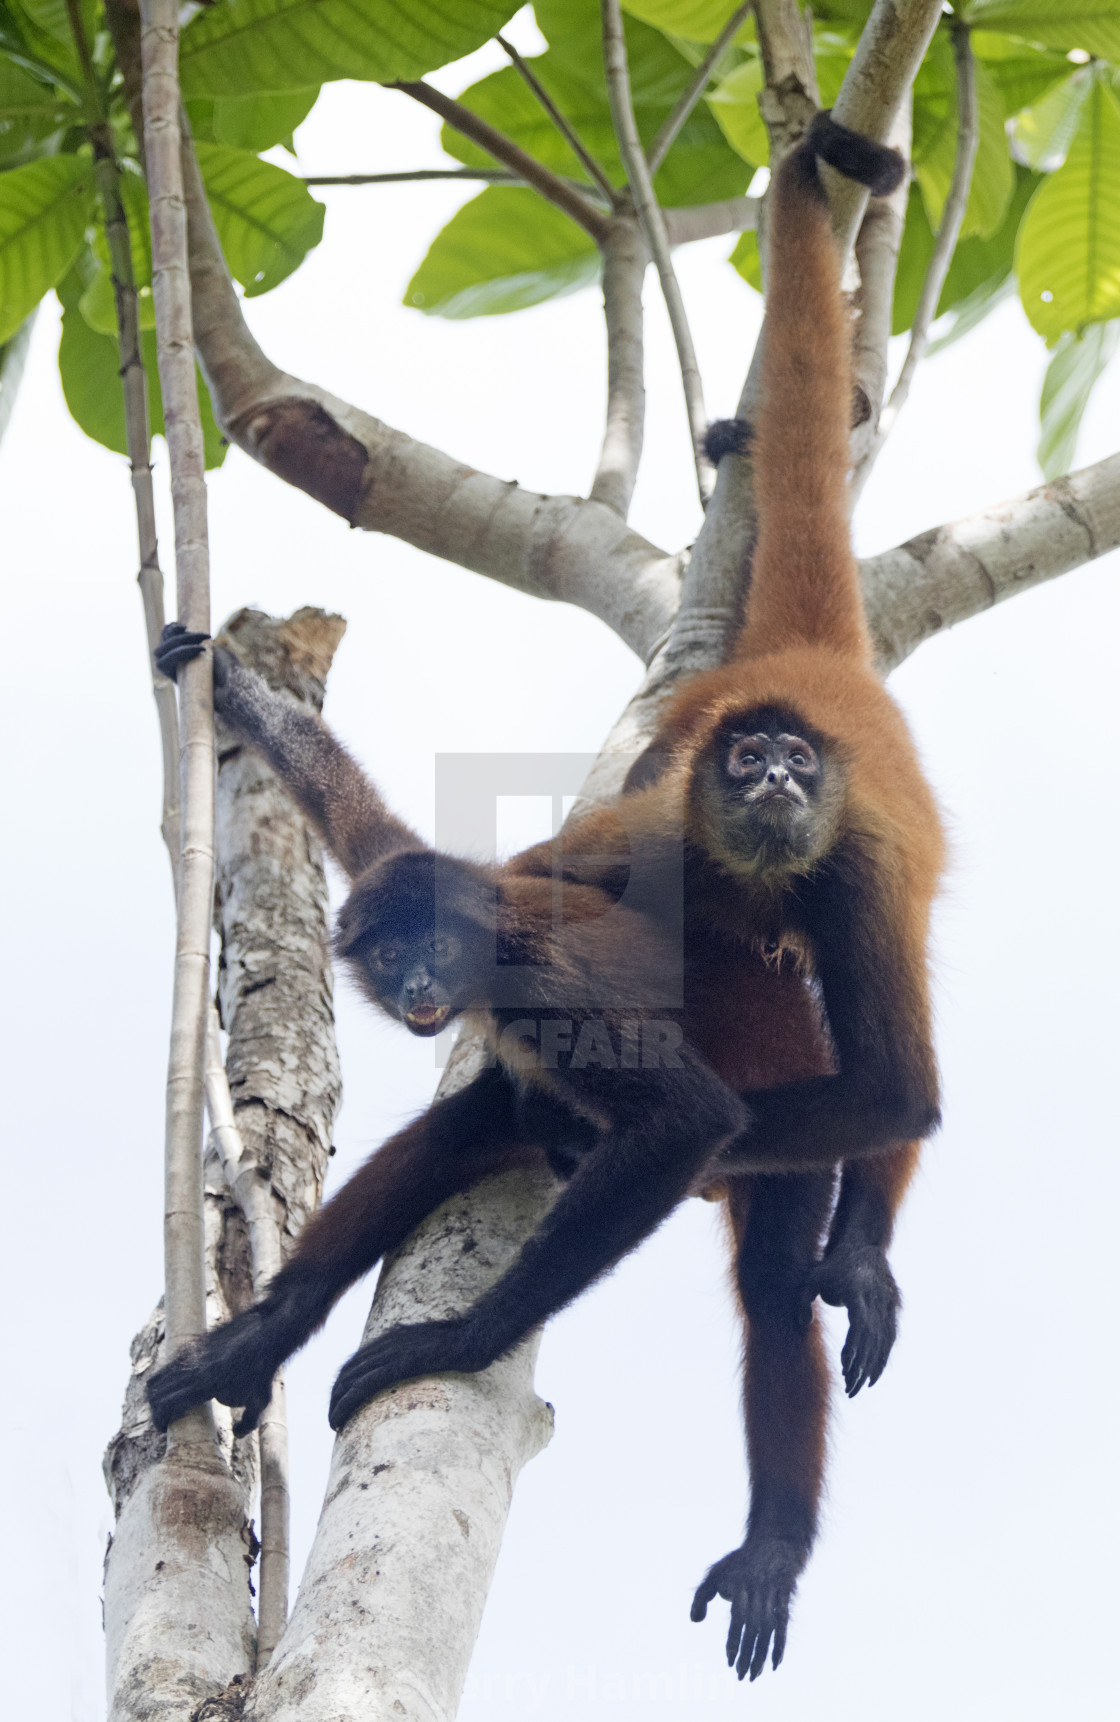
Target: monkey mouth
[427,1018]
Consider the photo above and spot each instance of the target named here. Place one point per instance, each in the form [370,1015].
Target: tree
[510,247]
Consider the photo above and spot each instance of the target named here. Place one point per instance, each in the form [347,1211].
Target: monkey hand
[427,1348]
[758,1580]
[234,1364]
[859,1279]
[178,646]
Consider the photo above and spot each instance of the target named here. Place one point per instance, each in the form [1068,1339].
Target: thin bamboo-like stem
[625,256]
[253,1197]
[185,1283]
[263,1231]
[559,191]
[952,216]
[653,226]
[567,131]
[492,176]
[671,130]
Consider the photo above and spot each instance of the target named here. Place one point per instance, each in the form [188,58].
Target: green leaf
[700,167]
[1042,135]
[1093,25]
[1070,377]
[978,275]
[734,102]
[1021,71]
[267,219]
[935,142]
[695,20]
[504,250]
[245,46]
[251,122]
[746,261]
[52,18]
[29,111]
[89,364]
[1069,244]
[44,209]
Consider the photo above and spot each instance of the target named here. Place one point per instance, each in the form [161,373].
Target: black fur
[727,436]
[857,157]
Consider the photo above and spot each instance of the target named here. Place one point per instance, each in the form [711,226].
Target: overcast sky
[966,1565]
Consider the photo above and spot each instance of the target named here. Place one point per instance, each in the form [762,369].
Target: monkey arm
[855,1272]
[315,768]
[777,1224]
[869,951]
[458,1140]
[661,1129]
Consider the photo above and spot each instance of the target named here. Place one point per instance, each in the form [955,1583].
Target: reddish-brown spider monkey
[808,825]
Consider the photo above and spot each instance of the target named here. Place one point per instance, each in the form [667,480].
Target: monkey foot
[402,1354]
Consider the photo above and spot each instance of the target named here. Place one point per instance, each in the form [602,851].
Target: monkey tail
[805,585]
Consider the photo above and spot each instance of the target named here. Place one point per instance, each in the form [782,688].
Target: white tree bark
[419,1488]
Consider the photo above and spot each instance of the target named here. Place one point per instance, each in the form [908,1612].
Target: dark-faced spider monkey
[808,828]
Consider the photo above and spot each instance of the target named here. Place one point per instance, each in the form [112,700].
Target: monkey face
[418,932]
[770,793]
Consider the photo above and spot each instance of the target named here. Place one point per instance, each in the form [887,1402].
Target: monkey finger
[705,1593]
[177,646]
[761,1650]
[252,1414]
[780,1632]
[735,1636]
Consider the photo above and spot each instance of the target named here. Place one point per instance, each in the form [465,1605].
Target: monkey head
[767,793]
[418,930]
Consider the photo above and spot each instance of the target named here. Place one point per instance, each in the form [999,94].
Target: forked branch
[564,126]
[550,185]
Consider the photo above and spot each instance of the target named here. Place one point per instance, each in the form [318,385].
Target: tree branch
[13,358]
[673,126]
[653,226]
[186,1292]
[624,266]
[567,131]
[550,185]
[557,547]
[491,176]
[952,572]
[709,220]
[877,247]
[968,137]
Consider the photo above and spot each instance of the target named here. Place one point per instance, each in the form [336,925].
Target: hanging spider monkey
[808,829]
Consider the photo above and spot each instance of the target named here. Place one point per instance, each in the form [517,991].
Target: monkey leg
[855,1272]
[660,1128]
[450,1147]
[777,1223]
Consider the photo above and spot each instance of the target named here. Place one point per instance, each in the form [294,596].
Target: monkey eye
[387,956]
[743,758]
[438,947]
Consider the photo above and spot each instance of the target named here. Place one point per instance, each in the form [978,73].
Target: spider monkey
[808,828]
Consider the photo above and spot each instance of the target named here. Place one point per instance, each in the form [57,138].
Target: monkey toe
[177,646]
[402,1354]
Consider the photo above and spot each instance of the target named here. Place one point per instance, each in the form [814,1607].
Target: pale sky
[965,1565]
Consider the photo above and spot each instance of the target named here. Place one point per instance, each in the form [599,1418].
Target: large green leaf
[1093,25]
[700,167]
[252,122]
[1042,134]
[1070,378]
[1069,244]
[504,250]
[978,274]
[734,102]
[245,46]
[935,142]
[29,111]
[1021,71]
[746,261]
[89,364]
[695,20]
[44,209]
[267,219]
